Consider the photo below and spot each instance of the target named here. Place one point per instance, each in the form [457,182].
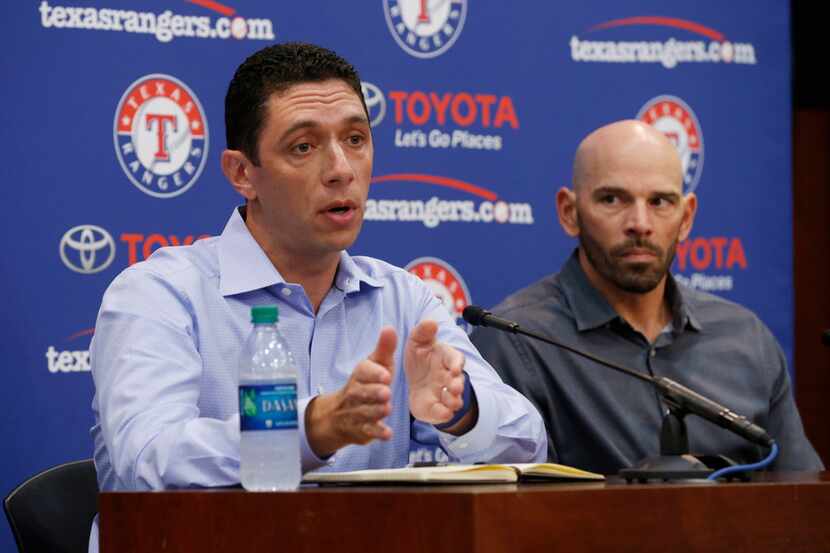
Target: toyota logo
[87,249]
[375,102]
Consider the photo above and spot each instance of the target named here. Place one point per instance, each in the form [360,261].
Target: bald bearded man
[616,298]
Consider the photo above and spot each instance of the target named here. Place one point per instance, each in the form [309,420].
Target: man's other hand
[354,414]
[434,372]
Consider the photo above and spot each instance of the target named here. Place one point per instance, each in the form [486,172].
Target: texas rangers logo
[425,28]
[447,285]
[161,135]
[675,119]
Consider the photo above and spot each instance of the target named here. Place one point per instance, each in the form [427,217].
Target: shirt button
[653,352]
[286,292]
[463,445]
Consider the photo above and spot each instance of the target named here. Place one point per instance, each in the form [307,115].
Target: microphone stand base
[677,467]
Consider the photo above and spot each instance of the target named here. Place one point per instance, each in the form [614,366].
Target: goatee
[634,277]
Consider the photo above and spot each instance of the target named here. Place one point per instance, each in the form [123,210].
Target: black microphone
[693,402]
[674,394]
[477,316]
[825,337]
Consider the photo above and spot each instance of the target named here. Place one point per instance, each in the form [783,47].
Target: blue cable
[741,468]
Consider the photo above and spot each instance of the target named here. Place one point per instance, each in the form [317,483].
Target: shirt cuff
[474,444]
[308,459]
[468,398]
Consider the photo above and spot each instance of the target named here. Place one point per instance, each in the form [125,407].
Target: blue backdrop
[113,127]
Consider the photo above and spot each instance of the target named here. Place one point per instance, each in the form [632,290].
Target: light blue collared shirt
[166,347]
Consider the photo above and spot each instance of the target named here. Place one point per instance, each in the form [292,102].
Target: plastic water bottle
[270,442]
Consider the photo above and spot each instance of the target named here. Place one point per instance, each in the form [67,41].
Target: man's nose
[638,219]
[338,170]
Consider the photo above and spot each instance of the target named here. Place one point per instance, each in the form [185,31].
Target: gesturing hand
[434,374]
[354,414]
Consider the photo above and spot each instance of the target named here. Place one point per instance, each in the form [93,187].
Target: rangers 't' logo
[425,28]
[161,135]
[447,285]
[674,118]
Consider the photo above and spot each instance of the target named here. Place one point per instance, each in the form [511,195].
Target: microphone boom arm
[679,398]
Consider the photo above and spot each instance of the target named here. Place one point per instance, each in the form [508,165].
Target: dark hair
[275,69]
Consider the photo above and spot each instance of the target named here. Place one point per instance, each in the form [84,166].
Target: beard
[637,278]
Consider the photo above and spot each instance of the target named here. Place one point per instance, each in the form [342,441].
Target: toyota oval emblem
[87,249]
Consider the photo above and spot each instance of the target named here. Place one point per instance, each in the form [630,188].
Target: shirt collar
[592,310]
[244,266]
[350,275]
[682,312]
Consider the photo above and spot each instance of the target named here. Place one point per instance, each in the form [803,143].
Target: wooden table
[783,513]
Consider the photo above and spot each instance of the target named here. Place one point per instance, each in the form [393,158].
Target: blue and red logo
[675,119]
[425,29]
[447,285]
[161,135]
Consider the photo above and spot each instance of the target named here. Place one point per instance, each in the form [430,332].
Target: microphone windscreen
[474,314]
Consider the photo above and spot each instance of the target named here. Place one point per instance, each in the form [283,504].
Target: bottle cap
[267,314]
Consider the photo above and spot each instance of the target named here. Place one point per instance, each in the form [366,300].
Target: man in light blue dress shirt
[377,353]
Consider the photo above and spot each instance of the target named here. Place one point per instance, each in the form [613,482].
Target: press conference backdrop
[113,129]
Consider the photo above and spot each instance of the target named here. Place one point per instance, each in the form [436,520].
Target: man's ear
[566,210]
[237,167]
[689,211]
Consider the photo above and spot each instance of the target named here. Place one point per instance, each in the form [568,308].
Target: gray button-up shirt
[601,420]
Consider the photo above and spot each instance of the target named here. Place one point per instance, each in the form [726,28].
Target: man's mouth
[637,251]
[340,212]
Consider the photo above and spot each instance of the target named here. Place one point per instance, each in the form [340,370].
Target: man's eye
[303,148]
[608,199]
[356,140]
